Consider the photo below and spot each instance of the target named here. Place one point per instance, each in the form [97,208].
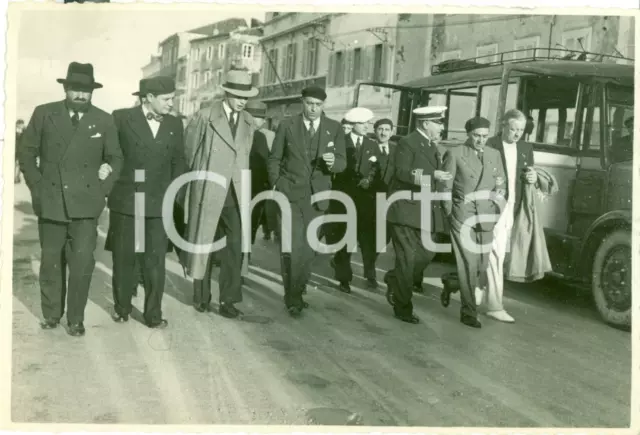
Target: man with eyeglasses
[417,165]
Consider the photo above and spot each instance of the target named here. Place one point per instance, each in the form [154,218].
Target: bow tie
[151,116]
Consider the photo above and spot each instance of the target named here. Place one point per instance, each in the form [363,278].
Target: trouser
[151,261]
[262,215]
[65,244]
[495,271]
[471,266]
[411,258]
[229,258]
[296,265]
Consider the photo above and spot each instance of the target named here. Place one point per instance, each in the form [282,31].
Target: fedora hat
[160,85]
[238,83]
[80,74]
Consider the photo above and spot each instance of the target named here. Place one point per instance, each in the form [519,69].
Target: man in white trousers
[517,158]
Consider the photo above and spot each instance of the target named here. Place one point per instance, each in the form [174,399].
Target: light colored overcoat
[210,146]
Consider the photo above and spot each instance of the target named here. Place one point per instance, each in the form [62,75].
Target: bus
[580,116]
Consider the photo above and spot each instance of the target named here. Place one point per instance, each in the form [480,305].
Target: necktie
[359,142]
[480,154]
[151,116]
[384,151]
[75,118]
[312,130]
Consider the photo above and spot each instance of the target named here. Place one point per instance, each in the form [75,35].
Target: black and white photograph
[232,215]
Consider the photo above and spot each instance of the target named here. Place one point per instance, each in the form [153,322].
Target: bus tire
[611,278]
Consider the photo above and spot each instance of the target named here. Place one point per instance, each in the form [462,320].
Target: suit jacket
[210,146]
[525,158]
[414,152]
[470,175]
[295,173]
[161,158]
[385,167]
[66,184]
[358,166]
[258,163]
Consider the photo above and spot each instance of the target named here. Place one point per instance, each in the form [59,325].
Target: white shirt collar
[355,137]
[145,112]
[307,122]
[227,109]
[384,146]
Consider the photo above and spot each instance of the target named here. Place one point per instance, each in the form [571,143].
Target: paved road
[347,361]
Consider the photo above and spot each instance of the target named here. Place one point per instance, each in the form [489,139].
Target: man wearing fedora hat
[152,143]
[72,139]
[308,150]
[218,139]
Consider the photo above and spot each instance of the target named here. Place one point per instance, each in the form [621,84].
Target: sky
[117,43]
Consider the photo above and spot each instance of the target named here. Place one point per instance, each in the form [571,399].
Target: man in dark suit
[517,160]
[355,181]
[152,144]
[72,139]
[416,166]
[307,150]
[477,200]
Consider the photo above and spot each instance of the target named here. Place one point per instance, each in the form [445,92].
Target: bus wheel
[611,278]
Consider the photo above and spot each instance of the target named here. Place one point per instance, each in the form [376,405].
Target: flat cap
[358,115]
[430,112]
[383,121]
[160,85]
[477,122]
[256,108]
[314,92]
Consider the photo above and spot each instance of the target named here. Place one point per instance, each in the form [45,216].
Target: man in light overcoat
[218,139]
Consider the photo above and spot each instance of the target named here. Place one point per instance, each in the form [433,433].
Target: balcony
[291,89]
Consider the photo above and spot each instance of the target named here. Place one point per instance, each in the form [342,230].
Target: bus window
[462,106]
[489,96]
[551,102]
[620,123]
[591,119]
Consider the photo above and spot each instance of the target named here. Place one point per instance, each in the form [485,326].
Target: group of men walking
[74,155]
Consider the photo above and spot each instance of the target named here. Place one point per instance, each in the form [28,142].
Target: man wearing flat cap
[477,188]
[355,181]
[307,150]
[416,166]
[218,139]
[72,140]
[152,143]
[264,212]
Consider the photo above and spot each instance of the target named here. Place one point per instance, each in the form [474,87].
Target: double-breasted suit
[359,167]
[473,173]
[415,155]
[297,170]
[68,197]
[212,211]
[161,157]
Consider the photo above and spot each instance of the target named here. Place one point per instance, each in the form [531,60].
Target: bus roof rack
[527,55]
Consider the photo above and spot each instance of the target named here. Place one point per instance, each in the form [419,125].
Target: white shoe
[501,316]
[479,296]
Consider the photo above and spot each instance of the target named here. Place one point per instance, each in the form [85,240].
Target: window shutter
[332,66]
[294,60]
[384,64]
[350,67]
[367,62]
[305,58]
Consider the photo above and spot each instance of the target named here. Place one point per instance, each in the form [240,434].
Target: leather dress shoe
[76,329]
[119,318]
[294,311]
[49,323]
[203,308]
[372,283]
[229,311]
[417,288]
[408,318]
[158,324]
[470,321]
[344,287]
[445,296]
[389,293]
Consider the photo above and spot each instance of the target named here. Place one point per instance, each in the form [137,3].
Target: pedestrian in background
[19,130]
[73,138]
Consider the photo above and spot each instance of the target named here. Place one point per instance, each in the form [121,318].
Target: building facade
[212,56]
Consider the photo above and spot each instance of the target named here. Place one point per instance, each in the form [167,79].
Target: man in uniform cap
[152,143]
[73,139]
[475,170]
[308,149]
[416,166]
[262,214]
[218,139]
[355,181]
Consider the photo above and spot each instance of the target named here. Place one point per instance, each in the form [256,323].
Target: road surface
[347,361]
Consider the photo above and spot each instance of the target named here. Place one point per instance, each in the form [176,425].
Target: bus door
[552,103]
